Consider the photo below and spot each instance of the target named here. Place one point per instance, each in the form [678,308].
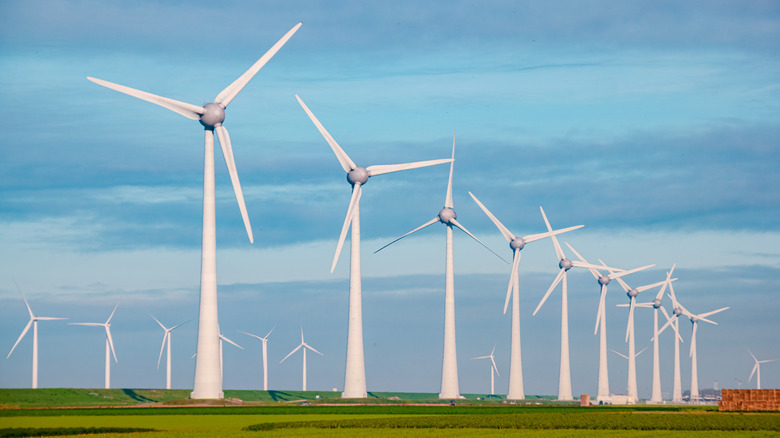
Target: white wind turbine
[601,320]
[516,244]
[166,339]
[109,342]
[357,176]
[632,293]
[34,322]
[265,356]
[447,216]
[208,383]
[493,370]
[303,345]
[757,369]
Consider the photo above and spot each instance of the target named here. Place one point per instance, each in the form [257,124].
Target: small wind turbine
[757,369]
[303,345]
[208,383]
[447,216]
[34,322]
[109,342]
[265,356]
[601,320]
[493,369]
[357,176]
[166,339]
[516,244]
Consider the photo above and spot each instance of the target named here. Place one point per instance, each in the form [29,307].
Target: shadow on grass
[137,397]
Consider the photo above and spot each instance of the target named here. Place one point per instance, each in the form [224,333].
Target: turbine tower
[631,386]
[447,216]
[757,369]
[166,338]
[674,321]
[357,176]
[265,356]
[109,342]
[601,320]
[516,244]
[208,381]
[493,369]
[34,322]
[304,346]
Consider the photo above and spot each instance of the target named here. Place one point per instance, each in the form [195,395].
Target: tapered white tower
[449,374]
[208,380]
[303,345]
[166,339]
[109,343]
[357,176]
[264,340]
[516,244]
[493,369]
[631,392]
[34,322]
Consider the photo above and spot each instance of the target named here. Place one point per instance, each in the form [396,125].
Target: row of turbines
[208,369]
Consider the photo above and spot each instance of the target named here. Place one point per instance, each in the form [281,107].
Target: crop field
[324,418]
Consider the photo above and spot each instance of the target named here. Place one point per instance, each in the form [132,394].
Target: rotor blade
[448,199]
[623,284]
[640,352]
[504,230]
[381,169]
[601,307]
[430,222]
[752,355]
[619,354]
[660,293]
[493,361]
[159,323]
[668,322]
[90,324]
[228,94]
[162,347]
[269,333]
[312,349]
[584,263]
[356,192]
[457,224]
[177,326]
[221,336]
[110,342]
[112,314]
[557,280]
[346,163]
[250,334]
[704,315]
[24,332]
[512,278]
[29,310]
[227,152]
[291,353]
[187,110]
[630,317]
[534,237]
[755,367]
[650,286]
[630,271]
[558,250]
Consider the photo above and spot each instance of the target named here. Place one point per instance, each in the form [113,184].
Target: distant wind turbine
[757,369]
[208,383]
[516,244]
[265,356]
[166,339]
[357,176]
[109,342]
[34,322]
[493,369]
[303,345]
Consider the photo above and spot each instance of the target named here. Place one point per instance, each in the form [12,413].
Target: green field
[23,412]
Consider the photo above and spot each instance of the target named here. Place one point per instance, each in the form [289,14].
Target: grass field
[280,414]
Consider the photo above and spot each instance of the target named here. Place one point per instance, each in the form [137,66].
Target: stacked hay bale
[750,400]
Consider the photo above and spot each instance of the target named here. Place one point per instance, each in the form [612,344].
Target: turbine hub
[565,264]
[603,280]
[446,215]
[517,243]
[657,303]
[632,293]
[214,114]
[358,175]
[677,311]
[694,319]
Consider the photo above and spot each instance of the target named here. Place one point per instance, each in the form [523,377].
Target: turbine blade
[504,230]
[448,199]
[512,278]
[269,333]
[630,317]
[623,284]
[599,315]
[112,314]
[704,315]
[29,310]
[630,271]
[227,152]
[356,192]
[221,336]
[555,282]
[558,250]
[48,318]
[312,349]
[457,224]
[668,281]
[187,110]
[619,354]
[650,286]
[110,342]
[24,332]
[494,365]
[159,323]
[534,237]
[162,347]
[177,326]
[755,367]
[752,355]
[430,222]
[346,163]
[228,94]
[250,334]
[91,324]
[640,352]
[381,169]
[291,353]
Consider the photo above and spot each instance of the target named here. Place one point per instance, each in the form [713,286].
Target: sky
[654,125]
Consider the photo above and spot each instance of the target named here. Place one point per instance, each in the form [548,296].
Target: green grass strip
[59,431]
[590,421]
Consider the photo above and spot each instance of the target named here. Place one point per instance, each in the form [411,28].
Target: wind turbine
[516,244]
[224,338]
[447,216]
[493,369]
[208,383]
[166,338]
[355,375]
[109,342]
[265,356]
[757,369]
[303,345]
[34,322]
[601,320]
[632,293]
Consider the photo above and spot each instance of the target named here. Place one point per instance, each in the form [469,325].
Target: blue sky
[655,126]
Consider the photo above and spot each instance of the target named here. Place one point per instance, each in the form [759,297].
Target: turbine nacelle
[678,311]
[565,264]
[604,280]
[657,303]
[632,293]
[358,175]
[213,115]
[516,243]
[446,215]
